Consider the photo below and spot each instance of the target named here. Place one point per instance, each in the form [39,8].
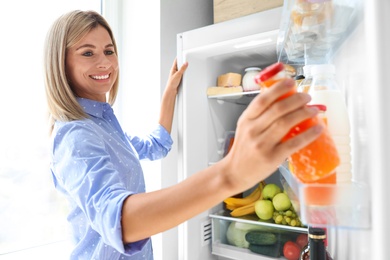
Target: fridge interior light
[253,43]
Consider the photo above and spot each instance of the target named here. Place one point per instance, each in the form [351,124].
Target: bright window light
[32,212]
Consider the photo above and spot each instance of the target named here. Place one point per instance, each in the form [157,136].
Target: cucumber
[270,250]
[284,237]
[256,237]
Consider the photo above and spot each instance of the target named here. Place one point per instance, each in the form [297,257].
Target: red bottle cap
[319,106]
[269,72]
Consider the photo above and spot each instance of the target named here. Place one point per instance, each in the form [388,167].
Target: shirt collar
[94,108]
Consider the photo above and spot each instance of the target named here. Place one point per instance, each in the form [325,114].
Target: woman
[96,164]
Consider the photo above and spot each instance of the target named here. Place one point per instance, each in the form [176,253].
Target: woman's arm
[169,97]
[255,154]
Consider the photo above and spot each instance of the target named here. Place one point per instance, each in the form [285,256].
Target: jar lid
[269,72]
[252,68]
[319,106]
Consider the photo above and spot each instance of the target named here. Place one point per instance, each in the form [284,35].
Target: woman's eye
[109,52]
[88,53]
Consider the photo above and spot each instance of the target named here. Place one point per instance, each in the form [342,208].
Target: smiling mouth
[100,77]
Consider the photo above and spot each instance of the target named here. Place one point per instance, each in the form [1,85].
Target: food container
[248,81]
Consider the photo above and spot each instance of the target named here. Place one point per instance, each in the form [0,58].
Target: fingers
[174,68]
[286,113]
[268,110]
[281,125]
[183,67]
[300,141]
[268,97]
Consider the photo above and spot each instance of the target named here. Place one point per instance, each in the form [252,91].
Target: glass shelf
[313,30]
[243,98]
[345,205]
[252,219]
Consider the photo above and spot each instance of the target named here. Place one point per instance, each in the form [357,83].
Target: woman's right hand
[257,150]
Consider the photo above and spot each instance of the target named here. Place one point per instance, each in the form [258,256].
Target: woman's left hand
[175,76]
[169,97]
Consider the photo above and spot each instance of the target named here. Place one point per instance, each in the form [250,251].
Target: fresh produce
[268,202]
[236,232]
[261,238]
[270,190]
[302,240]
[243,210]
[288,217]
[244,206]
[281,202]
[272,251]
[264,209]
[291,250]
[238,202]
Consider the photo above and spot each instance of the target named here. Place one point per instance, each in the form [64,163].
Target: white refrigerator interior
[204,122]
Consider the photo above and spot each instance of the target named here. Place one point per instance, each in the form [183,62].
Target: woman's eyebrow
[87,45]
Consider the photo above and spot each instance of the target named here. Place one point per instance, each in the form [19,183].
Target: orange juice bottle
[318,159]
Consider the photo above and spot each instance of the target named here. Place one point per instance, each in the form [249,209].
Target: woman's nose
[103,62]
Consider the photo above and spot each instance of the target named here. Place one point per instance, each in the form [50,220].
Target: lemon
[270,190]
[281,202]
[264,209]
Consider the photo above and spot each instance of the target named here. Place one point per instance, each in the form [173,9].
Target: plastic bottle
[317,160]
[325,90]
[321,195]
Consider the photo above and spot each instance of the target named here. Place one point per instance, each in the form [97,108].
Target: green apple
[264,209]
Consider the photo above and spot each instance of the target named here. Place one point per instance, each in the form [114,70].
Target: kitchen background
[32,214]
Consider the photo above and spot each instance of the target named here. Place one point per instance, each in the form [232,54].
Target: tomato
[302,240]
[291,250]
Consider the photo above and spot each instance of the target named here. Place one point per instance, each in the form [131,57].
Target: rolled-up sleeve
[153,146]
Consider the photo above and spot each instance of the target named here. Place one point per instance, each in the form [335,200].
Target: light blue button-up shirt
[96,165]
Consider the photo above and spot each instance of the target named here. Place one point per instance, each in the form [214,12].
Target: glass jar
[248,81]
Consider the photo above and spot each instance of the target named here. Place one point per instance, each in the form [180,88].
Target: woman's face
[92,65]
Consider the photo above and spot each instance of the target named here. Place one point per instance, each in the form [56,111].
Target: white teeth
[101,77]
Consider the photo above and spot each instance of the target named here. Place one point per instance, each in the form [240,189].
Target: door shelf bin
[344,205]
[312,31]
[221,247]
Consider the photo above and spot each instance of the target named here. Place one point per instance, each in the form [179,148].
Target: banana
[239,202]
[229,207]
[233,203]
[244,210]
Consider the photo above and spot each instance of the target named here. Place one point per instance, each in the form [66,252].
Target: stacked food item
[228,83]
[234,82]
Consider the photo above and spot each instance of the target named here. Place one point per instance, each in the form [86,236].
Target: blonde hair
[66,31]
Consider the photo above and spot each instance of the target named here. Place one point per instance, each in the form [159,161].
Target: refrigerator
[358,51]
